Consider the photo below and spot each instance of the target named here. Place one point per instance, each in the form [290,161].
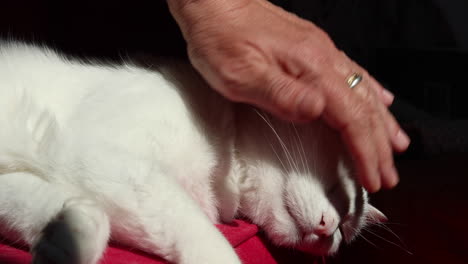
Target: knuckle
[294,101]
[311,110]
[361,154]
[316,55]
[375,115]
[384,145]
[360,114]
[386,161]
[324,37]
[285,96]
[377,128]
[369,107]
[366,156]
[366,95]
[242,70]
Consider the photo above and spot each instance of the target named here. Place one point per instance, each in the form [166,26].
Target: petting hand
[254,52]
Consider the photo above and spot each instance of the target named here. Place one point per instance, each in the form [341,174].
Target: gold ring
[354,80]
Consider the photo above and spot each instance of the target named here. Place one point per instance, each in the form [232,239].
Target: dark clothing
[417,49]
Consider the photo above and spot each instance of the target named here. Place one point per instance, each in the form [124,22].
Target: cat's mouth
[321,245]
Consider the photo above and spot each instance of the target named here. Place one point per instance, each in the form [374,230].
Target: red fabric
[241,235]
[428,212]
[437,234]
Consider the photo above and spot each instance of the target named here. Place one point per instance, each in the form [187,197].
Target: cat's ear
[373,215]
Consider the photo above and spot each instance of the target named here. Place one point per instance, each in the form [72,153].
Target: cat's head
[298,185]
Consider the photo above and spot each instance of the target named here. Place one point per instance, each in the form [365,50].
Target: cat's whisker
[383,226]
[277,156]
[388,241]
[295,145]
[293,159]
[367,240]
[393,223]
[386,228]
[281,142]
[315,150]
[303,155]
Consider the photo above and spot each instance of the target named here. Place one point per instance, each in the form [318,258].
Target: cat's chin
[321,246]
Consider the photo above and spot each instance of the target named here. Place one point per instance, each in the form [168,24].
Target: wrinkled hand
[252,51]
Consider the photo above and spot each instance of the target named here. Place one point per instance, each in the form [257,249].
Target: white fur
[152,159]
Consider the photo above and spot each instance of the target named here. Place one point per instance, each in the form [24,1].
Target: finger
[383,126]
[382,122]
[399,139]
[388,173]
[352,112]
[346,64]
[385,95]
[289,98]
[364,154]
[355,113]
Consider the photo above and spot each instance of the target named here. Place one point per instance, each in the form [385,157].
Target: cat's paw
[78,235]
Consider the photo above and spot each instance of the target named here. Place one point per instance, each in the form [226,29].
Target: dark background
[417,49]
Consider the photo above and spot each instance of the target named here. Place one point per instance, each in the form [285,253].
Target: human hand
[254,52]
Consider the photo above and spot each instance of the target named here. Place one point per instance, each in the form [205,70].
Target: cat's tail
[25,136]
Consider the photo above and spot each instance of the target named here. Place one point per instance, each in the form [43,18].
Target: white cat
[152,159]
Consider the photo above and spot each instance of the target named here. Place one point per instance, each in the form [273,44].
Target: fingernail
[402,140]
[388,95]
[391,177]
[395,178]
[373,188]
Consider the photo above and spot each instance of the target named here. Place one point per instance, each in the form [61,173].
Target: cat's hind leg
[58,226]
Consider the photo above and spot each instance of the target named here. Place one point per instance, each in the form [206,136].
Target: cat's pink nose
[327,226]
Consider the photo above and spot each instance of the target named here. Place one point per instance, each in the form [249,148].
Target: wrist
[189,13]
[177,4]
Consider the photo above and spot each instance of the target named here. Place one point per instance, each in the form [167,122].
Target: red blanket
[428,212]
[243,237]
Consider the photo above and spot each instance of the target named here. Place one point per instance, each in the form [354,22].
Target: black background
[418,49]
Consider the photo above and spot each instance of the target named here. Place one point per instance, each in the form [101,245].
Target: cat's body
[153,159]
